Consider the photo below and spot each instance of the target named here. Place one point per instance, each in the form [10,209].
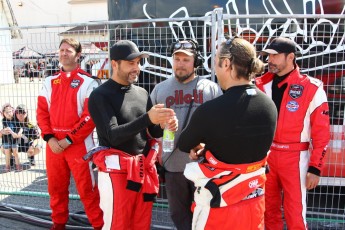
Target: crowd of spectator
[35,69]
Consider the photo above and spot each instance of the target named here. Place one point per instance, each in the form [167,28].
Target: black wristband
[314,171]
[46,137]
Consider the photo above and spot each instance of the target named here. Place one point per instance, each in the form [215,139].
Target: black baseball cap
[125,50]
[280,45]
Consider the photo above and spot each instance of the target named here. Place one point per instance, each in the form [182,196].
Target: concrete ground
[9,224]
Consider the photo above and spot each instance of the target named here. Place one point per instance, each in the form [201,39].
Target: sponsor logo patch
[253,168]
[253,183]
[251,91]
[292,106]
[57,81]
[75,83]
[212,161]
[296,91]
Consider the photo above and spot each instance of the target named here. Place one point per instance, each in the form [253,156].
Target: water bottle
[168,140]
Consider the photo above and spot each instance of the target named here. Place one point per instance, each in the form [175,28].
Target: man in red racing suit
[67,127]
[301,138]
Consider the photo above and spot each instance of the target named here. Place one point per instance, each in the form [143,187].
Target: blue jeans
[10,145]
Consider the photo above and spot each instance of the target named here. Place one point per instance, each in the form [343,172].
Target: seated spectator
[10,134]
[29,135]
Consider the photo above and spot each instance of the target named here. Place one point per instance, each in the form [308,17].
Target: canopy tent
[90,48]
[26,53]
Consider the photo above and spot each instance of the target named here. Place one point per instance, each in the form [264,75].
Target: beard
[182,78]
[130,78]
[273,68]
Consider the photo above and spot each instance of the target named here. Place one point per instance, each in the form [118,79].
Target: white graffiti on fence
[315,38]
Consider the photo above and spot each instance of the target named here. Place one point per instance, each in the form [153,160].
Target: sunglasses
[21,112]
[229,43]
[230,40]
[184,45]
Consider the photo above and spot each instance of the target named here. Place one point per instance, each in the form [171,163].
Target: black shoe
[12,161]
[32,160]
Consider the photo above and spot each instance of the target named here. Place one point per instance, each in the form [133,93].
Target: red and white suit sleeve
[320,136]
[43,115]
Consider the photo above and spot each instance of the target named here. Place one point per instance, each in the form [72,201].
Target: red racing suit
[299,146]
[225,191]
[128,185]
[63,112]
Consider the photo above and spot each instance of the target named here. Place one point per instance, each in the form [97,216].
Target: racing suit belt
[300,146]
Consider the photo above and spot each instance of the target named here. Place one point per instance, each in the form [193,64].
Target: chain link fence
[320,41]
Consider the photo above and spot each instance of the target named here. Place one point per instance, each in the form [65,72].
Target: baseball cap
[280,45]
[21,108]
[185,47]
[125,50]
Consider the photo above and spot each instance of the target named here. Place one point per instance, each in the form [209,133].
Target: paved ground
[9,224]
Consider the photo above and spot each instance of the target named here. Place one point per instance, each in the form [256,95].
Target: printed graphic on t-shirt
[182,98]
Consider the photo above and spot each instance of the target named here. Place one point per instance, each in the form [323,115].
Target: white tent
[26,53]
[90,48]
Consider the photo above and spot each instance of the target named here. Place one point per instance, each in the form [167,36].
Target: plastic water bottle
[168,140]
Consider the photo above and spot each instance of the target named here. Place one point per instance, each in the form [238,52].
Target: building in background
[51,12]
[7,19]
[27,15]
